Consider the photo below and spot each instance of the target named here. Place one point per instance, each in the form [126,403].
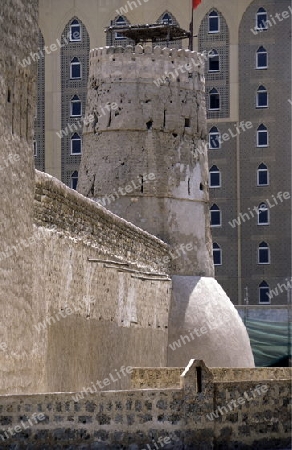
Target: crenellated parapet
[182,63]
[160,74]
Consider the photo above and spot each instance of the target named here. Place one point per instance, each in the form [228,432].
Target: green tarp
[270,341]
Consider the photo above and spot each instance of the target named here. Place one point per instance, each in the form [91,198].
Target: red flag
[196,3]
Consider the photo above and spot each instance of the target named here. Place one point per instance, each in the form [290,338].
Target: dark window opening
[213,22]
[167,19]
[262,175]
[187,123]
[214,138]
[142,184]
[199,379]
[215,216]
[262,136]
[74,180]
[263,214]
[75,69]
[262,97]
[214,99]
[217,254]
[9,96]
[213,58]
[263,253]
[262,58]
[76,144]
[214,177]
[264,291]
[120,21]
[261,19]
[75,31]
[76,107]
[109,120]
[149,124]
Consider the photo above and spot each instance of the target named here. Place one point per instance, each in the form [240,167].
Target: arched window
[76,144]
[76,107]
[264,291]
[217,254]
[75,69]
[262,136]
[263,253]
[215,216]
[120,21]
[116,38]
[262,97]
[214,177]
[261,19]
[213,61]
[261,58]
[74,180]
[75,31]
[214,100]
[262,175]
[166,19]
[214,138]
[263,214]
[213,22]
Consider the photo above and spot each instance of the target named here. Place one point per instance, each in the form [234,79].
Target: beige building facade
[248,81]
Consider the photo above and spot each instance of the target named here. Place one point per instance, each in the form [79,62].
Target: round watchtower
[144,152]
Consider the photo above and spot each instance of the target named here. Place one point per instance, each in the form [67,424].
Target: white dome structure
[204,324]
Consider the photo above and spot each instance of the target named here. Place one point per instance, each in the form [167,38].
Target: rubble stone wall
[180,418]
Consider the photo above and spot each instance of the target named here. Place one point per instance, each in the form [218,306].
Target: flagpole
[191,44]
[194,5]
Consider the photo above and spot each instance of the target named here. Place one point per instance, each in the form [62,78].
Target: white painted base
[206,324]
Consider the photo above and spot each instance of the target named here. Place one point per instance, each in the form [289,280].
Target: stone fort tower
[17,110]
[151,129]
[140,128]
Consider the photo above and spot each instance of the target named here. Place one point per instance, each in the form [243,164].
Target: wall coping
[147,50]
[52,184]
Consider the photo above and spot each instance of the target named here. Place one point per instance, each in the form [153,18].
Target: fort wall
[100,283]
[134,418]
[17,108]
[96,283]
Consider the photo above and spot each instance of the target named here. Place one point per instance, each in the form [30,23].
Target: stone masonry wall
[133,419]
[101,293]
[18,37]
[151,377]
[89,222]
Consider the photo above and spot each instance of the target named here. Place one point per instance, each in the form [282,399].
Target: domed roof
[205,325]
